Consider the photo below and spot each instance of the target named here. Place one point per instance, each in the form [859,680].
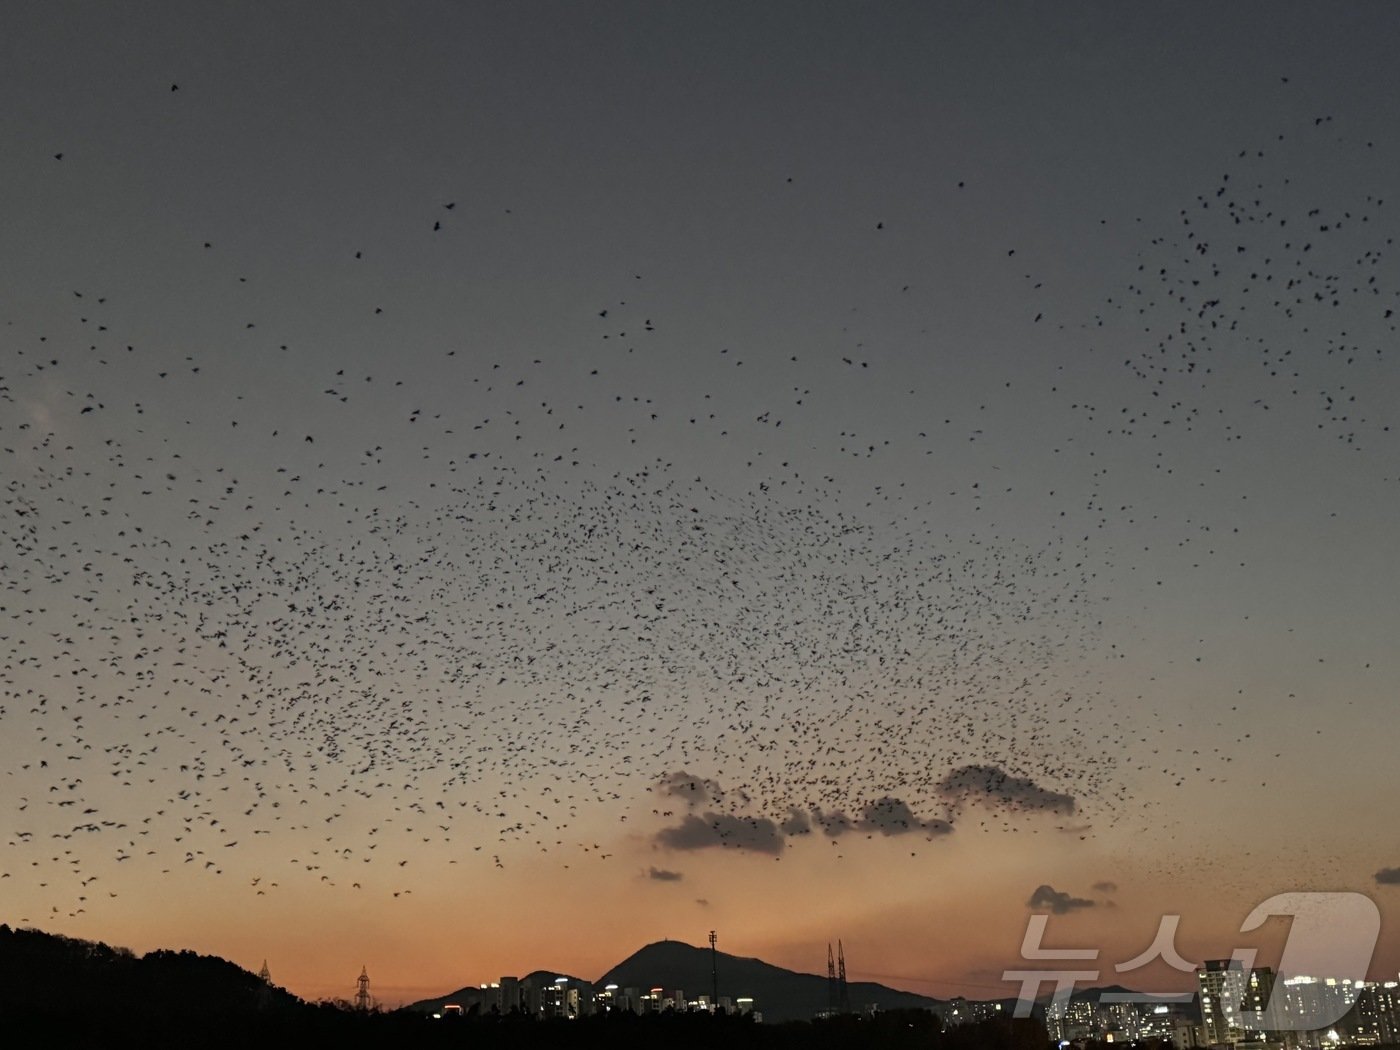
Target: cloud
[1388,877]
[1046,896]
[796,823]
[694,790]
[993,786]
[662,875]
[888,816]
[758,834]
[892,816]
[1105,887]
[833,825]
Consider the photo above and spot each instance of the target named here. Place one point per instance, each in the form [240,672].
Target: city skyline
[1235,1005]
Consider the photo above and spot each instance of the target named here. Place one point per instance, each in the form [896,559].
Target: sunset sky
[486,487]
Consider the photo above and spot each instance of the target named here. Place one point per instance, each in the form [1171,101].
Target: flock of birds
[472,605]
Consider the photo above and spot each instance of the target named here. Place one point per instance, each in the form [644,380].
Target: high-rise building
[1358,1012]
[509,998]
[1234,1002]
[1302,1000]
[1376,1018]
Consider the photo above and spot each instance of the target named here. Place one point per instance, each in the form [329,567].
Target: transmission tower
[265,975]
[714,975]
[831,994]
[363,1002]
[845,997]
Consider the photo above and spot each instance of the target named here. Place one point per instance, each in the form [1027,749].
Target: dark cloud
[1388,877]
[1105,887]
[662,875]
[888,816]
[994,786]
[833,825]
[796,823]
[892,816]
[758,834]
[1047,896]
[694,790]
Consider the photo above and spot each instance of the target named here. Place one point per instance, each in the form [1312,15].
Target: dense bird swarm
[448,596]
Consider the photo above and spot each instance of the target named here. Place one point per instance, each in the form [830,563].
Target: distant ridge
[468,992]
[779,994]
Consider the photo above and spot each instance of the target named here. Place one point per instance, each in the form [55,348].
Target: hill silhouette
[45,973]
[779,994]
[468,996]
[62,991]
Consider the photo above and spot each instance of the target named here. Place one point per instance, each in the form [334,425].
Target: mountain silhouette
[779,994]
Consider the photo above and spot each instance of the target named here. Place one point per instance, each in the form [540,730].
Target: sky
[487,487]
